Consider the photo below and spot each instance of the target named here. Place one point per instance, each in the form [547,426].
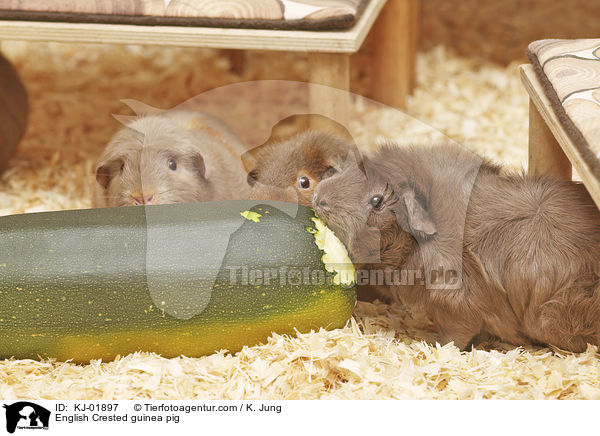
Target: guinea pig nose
[143,199]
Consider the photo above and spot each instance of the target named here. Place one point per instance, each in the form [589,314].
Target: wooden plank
[543,106]
[346,41]
[545,153]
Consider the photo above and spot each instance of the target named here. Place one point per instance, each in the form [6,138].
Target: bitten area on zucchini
[180,279]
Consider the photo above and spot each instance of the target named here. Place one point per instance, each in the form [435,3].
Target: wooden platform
[345,41]
[393,59]
[551,150]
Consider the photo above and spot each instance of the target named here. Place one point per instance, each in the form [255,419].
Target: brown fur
[529,246]
[207,154]
[276,167]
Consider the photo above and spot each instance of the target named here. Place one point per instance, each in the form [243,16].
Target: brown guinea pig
[373,221]
[419,176]
[175,157]
[291,169]
[529,271]
[379,225]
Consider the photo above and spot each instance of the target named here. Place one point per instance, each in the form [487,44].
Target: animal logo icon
[27,415]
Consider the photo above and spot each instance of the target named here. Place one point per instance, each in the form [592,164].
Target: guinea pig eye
[303,182]
[172,164]
[122,166]
[376,202]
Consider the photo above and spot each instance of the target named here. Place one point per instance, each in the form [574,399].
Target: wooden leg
[14,113]
[394,52]
[237,60]
[333,101]
[545,154]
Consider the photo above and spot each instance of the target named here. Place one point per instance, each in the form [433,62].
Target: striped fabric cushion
[270,14]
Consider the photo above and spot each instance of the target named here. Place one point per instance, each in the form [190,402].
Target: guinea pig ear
[360,160]
[249,159]
[105,171]
[351,159]
[141,109]
[252,177]
[336,164]
[420,223]
[329,171]
[198,162]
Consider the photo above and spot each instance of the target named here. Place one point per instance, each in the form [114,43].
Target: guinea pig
[173,157]
[442,174]
[378,224]
[365,212]
[529,246]
[291,169]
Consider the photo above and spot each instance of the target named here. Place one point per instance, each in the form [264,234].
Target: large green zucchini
[181,279]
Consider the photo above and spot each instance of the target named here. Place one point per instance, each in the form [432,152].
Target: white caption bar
[88,418]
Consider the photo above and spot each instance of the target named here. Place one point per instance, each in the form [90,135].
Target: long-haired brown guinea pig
[289,166]
[173,157]
[529,246]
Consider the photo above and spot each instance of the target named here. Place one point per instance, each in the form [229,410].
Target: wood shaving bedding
[349,363]
[383,352]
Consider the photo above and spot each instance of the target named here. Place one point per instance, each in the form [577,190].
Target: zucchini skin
[169,279]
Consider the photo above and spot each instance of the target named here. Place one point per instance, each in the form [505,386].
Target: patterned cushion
[569,70]
[270,14]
